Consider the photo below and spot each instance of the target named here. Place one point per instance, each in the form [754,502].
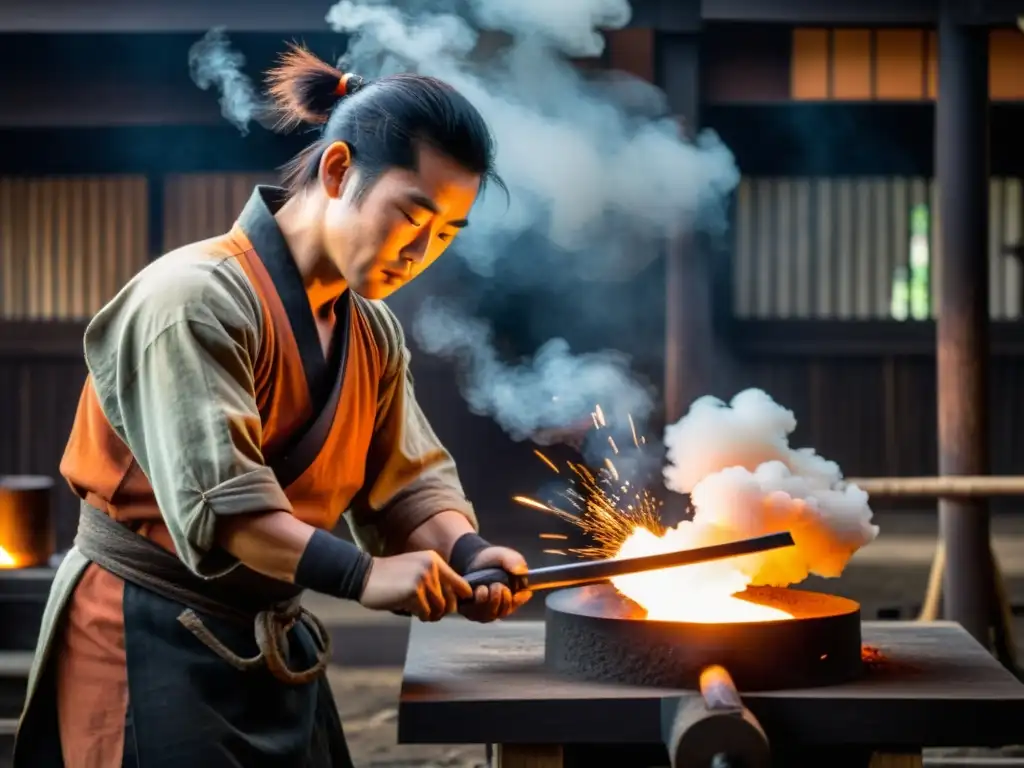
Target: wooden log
[963,486]
[715,730]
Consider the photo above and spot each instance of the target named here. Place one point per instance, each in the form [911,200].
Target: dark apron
[222,673]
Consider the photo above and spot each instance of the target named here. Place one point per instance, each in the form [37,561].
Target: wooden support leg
[1002,642]
[930,608]
[528,756]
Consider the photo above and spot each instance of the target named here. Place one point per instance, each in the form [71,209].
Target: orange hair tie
[342,89]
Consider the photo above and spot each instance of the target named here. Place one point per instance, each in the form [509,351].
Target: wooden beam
[41,338]
[847,139]
[873,13]
[962,174]
[150,149]
[834,139]
[198,16]
[852,338]
[62,16]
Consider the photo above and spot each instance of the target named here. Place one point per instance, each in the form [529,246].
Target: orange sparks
[555,552]
[607,509]
[611,442]
[526,501]
[547,461]
[599,415]
[632,429]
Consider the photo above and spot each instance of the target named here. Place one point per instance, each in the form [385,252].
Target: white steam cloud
[595,165]
[744,480]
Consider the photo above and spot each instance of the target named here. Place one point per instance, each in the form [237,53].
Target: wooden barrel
[27,536]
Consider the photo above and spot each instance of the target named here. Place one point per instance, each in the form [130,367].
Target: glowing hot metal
[596,571]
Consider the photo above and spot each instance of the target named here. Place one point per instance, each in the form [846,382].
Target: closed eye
[409,218]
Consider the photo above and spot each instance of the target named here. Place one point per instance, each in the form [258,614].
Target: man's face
[401,224]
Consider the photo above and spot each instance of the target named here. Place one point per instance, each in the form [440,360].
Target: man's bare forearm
[270,543]
[439,533]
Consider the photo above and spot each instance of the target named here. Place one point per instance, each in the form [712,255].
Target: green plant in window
[920,256]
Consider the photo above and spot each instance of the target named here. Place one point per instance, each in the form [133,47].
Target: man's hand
[419,583]
[495,602]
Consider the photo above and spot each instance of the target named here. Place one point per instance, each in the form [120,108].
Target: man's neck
[297,222]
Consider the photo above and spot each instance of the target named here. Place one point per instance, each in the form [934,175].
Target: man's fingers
[512,561]
[521,598]
[482,594]
[498,592]
[435,596]
[420,607]
[459,585]
[451,601]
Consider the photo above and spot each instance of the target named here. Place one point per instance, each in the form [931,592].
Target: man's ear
[335,163]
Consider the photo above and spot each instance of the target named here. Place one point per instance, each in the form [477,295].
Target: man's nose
[417,249]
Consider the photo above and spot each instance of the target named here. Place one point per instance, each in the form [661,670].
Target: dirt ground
[894,575]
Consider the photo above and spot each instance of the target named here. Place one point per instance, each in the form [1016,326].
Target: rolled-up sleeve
[174,372]
[410,475]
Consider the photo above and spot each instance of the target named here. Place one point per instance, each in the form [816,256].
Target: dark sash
[303,448]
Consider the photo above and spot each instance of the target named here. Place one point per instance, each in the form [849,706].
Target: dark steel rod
[962,174]
[595,571]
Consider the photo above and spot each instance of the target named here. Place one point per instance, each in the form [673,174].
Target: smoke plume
[213,64]
[596,166]
[533,395]
[745,480]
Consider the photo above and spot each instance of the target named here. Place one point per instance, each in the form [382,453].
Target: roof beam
[296,16]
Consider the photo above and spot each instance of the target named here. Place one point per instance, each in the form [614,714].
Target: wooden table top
[468,683]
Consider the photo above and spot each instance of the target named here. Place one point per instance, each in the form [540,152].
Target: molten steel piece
[594,633]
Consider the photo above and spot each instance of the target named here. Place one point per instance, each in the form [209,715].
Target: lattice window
[842,248]
[891,64]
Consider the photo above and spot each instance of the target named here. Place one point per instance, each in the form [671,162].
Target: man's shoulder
[386,329]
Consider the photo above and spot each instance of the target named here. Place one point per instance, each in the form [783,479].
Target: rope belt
[240,596]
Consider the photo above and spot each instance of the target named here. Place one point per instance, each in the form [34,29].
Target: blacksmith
[243,393]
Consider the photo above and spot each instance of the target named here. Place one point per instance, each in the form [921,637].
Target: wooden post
[962,172]
[689,340]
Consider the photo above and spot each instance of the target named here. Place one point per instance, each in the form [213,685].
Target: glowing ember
[7,559]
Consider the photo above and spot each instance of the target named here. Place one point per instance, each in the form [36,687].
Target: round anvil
[595,633]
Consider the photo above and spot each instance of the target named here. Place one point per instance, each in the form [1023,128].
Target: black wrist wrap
[333,566]
[465,550]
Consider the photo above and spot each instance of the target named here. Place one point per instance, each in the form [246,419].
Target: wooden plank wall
[68,244]
[201,205]
[815,248]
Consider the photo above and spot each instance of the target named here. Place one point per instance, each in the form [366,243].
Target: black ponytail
[383,127]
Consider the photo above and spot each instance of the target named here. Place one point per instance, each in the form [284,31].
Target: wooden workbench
[470,683]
